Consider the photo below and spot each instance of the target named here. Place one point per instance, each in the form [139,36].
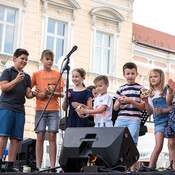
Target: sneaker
[12,169]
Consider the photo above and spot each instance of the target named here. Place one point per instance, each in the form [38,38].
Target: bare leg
[12,151]
[159,138]
[133,167]
[3,143]
[39,148]
[171,148]
[52,148]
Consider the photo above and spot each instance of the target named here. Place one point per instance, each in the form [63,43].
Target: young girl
[78,95]
[156,104]
[170,129]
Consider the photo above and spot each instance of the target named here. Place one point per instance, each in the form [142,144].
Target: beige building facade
[101,29]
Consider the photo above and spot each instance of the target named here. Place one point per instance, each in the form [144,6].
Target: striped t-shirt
[127,110]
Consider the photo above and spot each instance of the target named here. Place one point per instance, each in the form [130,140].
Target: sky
[156,14]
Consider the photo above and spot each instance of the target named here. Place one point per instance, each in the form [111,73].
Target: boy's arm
[59,94]
[91,111]
[117,105]
[7,86]
[140,106]
[30,94]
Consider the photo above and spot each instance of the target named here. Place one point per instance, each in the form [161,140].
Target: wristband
[33,94]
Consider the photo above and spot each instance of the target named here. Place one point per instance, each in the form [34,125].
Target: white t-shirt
[103,119]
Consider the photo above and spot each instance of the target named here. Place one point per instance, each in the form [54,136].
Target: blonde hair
[162,82]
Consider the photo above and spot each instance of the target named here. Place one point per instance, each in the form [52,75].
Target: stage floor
[96,173]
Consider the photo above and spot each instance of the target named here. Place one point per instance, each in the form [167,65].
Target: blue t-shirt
[81,97]
[15,98]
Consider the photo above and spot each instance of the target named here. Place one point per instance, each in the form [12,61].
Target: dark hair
[101,78]
[82,73]
[129,65]
[47,53]
[91,87]
[19,52]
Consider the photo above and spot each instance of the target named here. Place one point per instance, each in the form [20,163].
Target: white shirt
[103,119]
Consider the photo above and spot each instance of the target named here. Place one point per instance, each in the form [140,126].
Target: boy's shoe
[12,169]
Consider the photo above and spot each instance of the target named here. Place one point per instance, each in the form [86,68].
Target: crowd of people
[91,106]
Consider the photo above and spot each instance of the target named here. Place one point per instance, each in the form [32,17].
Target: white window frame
[110,48]
[17,30]
[56,36]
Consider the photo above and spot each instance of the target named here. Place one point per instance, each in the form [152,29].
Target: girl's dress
[170,129]
[81,97]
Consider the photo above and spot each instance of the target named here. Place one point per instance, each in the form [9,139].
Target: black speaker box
[113,146]
[26,154]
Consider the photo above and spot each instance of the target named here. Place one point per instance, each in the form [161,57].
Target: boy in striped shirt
[128,102]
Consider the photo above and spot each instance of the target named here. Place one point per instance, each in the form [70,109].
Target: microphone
[71,52]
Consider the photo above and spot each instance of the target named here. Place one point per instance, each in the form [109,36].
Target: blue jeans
[133,126]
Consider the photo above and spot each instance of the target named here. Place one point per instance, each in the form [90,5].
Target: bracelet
[33,94]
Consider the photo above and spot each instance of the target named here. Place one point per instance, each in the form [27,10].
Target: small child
[45,80]
[170,129]
[129,103]
[156,104]
[15,85]
[102,104]
[78,95]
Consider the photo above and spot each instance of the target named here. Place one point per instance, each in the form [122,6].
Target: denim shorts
[160,127]
[50,119]
[12,124]
[133,126]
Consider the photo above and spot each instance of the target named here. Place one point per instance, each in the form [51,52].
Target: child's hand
[124,99]
[42,95]
[75,104]
[144,98]
[159,111]
[20,77]
[171,85]
[69,94]
[80,110]
[36,91]
[47,91]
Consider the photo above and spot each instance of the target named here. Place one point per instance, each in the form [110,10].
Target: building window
[102,53]
[55,38]
[7,29]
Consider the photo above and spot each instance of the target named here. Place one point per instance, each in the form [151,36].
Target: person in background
[95,94]
[15,85]
[45,80]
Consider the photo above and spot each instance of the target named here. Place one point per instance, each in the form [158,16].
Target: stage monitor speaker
[26,154]
[113,146]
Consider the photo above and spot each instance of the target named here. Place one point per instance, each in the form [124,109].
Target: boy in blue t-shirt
[15,85]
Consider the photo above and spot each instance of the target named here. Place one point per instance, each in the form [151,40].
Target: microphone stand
[66,67]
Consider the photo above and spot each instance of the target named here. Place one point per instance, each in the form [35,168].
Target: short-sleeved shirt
[103,119]
[127,110]
[41,80]
[15,98]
